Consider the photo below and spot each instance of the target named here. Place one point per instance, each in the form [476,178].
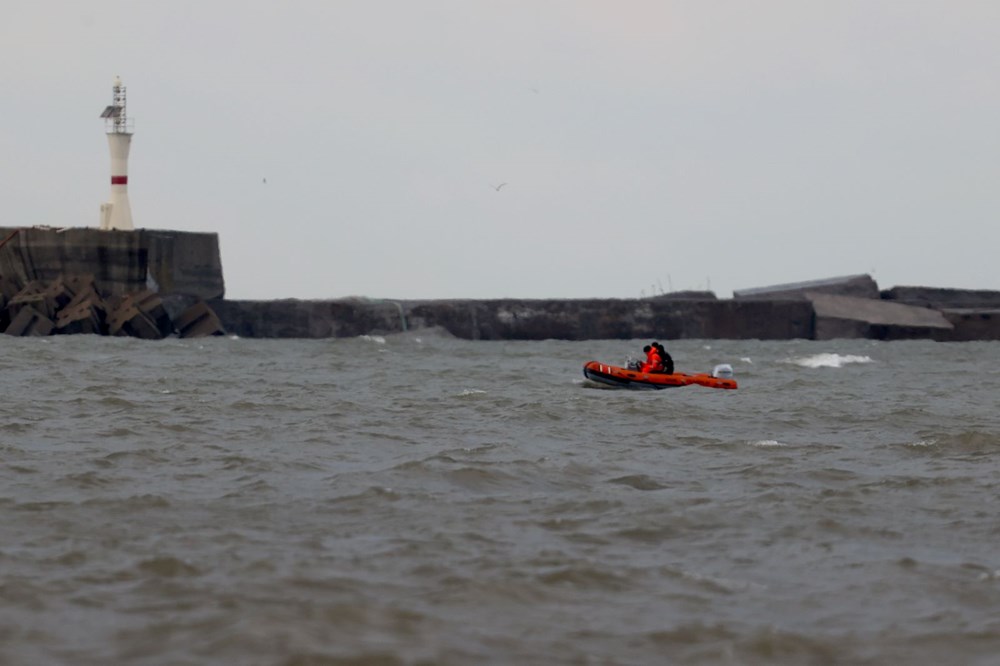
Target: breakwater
[120,262]
[147,283]
[817,318]
[153,283]
[521,319]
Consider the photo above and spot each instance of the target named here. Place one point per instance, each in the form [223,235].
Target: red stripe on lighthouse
[119,180]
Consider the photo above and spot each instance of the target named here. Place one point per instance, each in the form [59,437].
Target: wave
[962,443]
[828,360]
[639,482]
[766,443]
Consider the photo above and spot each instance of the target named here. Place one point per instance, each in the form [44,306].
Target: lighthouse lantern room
[116,213]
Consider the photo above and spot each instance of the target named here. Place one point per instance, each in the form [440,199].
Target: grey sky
[646,145]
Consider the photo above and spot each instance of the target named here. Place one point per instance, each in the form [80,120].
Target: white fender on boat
[723,371]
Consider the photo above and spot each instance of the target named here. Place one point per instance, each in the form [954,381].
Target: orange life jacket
[654,362]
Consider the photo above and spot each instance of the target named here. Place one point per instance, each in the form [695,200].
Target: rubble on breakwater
[77,305]
[146,283]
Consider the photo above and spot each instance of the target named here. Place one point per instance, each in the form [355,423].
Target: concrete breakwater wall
[816,312]
[513,319]
[145,283]
[604,319]
[120,262]
[117,282]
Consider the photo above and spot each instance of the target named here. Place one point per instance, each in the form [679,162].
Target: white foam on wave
[922,443]
[377,339]
[466,392]
[766,443]
[829,360]
[746,359]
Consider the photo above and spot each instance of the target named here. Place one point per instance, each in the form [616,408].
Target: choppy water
[419,499]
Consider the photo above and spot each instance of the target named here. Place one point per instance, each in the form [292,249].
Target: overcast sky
[646,145]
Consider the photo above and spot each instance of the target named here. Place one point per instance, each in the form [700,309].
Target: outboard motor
[723,371]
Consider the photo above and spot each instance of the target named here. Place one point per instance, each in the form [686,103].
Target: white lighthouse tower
[116,213]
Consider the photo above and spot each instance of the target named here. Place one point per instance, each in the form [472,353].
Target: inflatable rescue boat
[612,375]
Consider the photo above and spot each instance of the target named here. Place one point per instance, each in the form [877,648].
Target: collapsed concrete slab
[850,317]
[139,315]
[858,286]
[86,314]
[74,305]
[198,321]
[32,295]
[29,322]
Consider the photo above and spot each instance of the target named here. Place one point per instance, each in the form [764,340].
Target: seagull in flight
[497,187]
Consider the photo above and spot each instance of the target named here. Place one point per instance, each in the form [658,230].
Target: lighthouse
[116,213]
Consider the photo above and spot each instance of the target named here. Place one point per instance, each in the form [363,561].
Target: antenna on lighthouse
[117,213]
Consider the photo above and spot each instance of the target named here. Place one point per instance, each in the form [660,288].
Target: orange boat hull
[613,375]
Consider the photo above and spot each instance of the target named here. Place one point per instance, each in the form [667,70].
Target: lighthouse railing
[117,126]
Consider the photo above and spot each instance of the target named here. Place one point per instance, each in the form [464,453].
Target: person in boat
[653,362]
[665,359]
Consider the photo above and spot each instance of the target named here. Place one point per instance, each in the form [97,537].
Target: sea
[419,499]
